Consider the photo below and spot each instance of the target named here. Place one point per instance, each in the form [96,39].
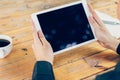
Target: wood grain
[82,63]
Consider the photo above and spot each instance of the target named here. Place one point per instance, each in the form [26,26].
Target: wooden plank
[18,55]
[105,6]
[76,64]
[81,69]
[94,76]
[62,66]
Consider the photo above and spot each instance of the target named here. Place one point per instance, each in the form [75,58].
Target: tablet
[65,27]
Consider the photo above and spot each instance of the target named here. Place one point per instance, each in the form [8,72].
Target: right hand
[102,34]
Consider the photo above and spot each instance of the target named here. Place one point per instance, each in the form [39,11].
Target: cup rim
[7,38]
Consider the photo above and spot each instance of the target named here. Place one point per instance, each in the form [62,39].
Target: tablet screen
[66,27]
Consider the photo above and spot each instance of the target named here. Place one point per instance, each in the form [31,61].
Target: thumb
[40,34]
[42,37]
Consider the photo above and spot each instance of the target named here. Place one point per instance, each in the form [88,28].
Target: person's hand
[41,47]
[102,34]
[118,10]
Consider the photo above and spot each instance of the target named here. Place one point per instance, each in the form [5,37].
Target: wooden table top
[83,63]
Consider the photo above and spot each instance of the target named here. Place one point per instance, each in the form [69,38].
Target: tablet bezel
[87,12]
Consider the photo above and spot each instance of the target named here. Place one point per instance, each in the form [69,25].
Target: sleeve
[43,71]
[111,75]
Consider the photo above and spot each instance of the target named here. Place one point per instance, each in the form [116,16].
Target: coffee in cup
[5,45]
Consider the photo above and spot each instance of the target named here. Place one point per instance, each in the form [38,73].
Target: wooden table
[83,63]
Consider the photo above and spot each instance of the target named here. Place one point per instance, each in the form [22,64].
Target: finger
[42,37]
[97,19]
[35,35]
[102,44]
[37,42]
[36,39]
[93,23]
[90,8]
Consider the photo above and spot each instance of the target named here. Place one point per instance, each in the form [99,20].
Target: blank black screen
[66,27]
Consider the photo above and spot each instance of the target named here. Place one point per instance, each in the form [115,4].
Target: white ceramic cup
[4,51]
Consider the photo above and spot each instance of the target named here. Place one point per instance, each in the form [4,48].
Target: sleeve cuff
[106,76]
[43,69]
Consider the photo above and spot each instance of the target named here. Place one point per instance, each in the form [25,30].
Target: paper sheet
[113,29]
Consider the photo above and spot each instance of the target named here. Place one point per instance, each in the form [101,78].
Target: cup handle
[1,54]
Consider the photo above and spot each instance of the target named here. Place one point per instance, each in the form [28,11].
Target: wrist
[114,44]
[45,60]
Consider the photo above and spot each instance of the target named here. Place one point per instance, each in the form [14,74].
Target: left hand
[41,47]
